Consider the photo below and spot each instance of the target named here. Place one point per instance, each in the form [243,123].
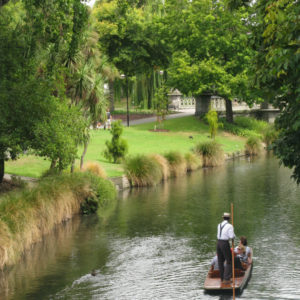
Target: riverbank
[27,215]
[157,243]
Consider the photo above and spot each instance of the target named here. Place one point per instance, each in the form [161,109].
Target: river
[157,243]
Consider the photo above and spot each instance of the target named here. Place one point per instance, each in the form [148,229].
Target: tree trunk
[83,154]
[1,169]
[111,95]
[202,104]
[53,164]
[2,2]
[229,112]
[72,167]
[150,91]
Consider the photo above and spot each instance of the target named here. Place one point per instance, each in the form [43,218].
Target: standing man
[225,233]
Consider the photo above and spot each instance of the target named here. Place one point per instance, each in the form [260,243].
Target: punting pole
[233,275]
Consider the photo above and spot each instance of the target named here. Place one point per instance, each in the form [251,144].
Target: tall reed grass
[164,165]
[253,146]
[94,168]
[193,162]
[142,170]
[211,152]
[177,163]
[270,136]
[27,215]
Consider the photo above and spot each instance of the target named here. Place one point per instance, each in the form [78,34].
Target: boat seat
[239,273]
[214,274]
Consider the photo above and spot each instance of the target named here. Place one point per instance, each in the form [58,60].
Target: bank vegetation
[29,214]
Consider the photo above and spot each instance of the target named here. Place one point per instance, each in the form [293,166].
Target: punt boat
[213,280]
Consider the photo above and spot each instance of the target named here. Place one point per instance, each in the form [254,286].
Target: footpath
[178,114]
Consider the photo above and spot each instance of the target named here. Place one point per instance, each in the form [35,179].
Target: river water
[157,243]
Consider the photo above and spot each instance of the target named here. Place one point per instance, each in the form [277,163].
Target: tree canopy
[276,41]
[33,34]
[210,48]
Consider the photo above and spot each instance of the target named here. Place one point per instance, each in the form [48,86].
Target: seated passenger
[214,264]
[239,258]
[248,251]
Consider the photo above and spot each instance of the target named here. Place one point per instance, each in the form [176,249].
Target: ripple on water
[159,267]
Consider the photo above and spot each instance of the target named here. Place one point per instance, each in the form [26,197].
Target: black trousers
[224,253]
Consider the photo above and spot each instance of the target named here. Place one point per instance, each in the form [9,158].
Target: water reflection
[157,243]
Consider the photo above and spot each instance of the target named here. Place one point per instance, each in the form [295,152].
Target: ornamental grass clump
[193,162]
[142,170]
[177,163]
[94,168]
[253,146]
[164,165]
[27,215]
[270,136]
[211,153]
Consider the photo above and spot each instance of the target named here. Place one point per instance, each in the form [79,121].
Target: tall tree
[86,83]
[30,31]
[129,36]
[276,30]
[211,53]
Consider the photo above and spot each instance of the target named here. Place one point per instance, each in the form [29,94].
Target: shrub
[252,146]
[212,119]
[193,162]
[117,147]
[142,170]
[94,168]
[103,189]
[270,136]
[246,126]
[161,101]
[251,123]
[211,152]
[164,165]
[177,163]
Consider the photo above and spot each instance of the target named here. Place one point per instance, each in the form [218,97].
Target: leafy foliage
[58,135]
[117,147]
[246,126]
[212,119]
[33,34]
[161,101]
[210,48]
[276,40]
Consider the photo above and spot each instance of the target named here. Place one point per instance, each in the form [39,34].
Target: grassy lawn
[140,140]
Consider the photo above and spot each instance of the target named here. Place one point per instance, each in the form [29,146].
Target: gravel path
[180,114]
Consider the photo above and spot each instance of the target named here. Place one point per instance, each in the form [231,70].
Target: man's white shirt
[227,231]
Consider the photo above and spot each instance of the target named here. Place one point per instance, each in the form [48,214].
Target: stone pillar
[264,105]
[174,99]
[202,104]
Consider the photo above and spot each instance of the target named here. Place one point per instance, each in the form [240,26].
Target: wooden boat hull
[213,282]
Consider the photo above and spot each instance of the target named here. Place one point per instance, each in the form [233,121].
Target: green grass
[140,141]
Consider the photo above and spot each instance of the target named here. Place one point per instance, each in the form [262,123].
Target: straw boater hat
[226,215]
